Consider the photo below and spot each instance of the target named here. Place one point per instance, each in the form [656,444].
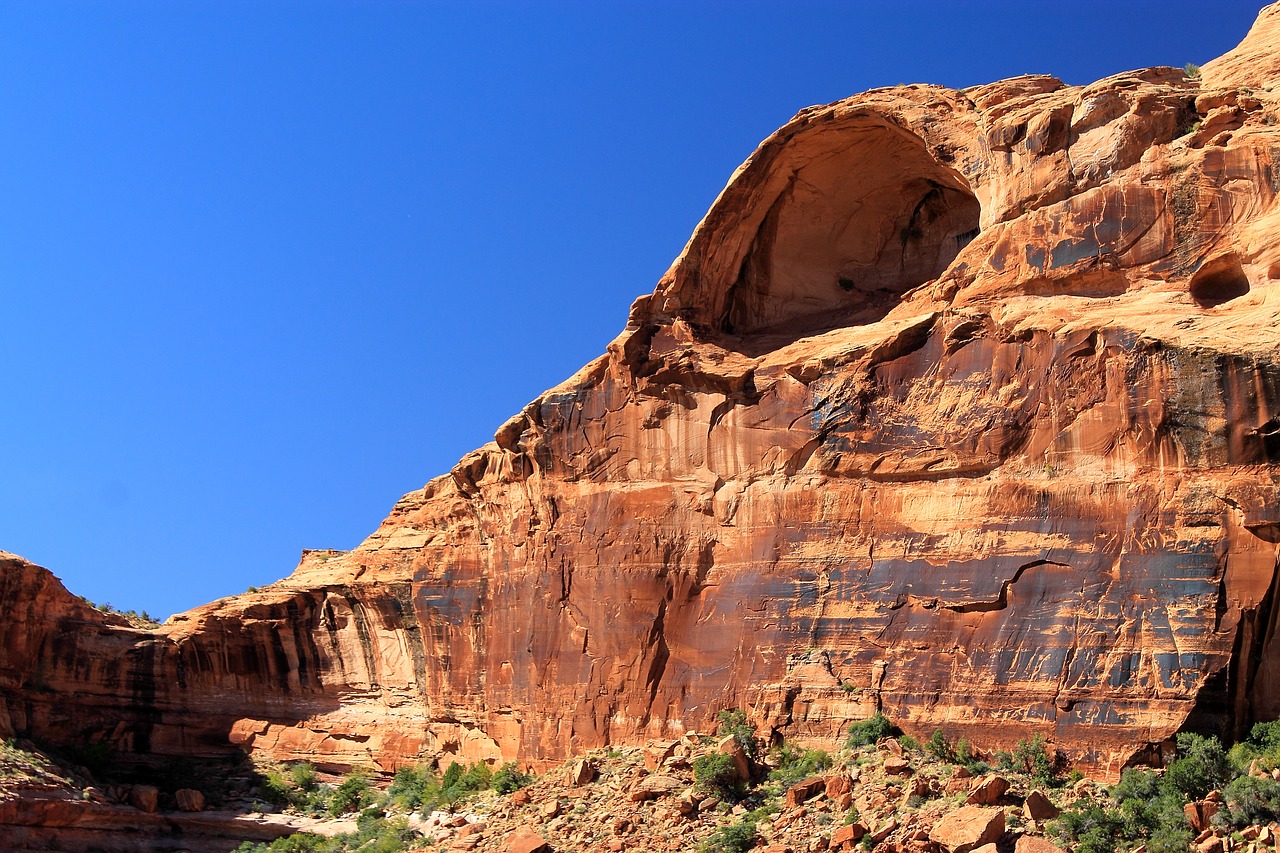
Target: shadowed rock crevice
[855,229]
[1219,281]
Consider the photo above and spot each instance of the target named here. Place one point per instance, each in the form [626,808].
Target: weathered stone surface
[581,773]
[896,766]
[189,800]
[144,797]
[967,828]
[741,762]
[1038,807]
[652,787]
[848,835]
[970,399]
[805,789]
[987,790]
[525,841]
[1034,844]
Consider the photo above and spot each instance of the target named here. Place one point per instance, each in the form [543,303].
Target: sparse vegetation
[352,794]
[375,833]
[869,731]
[133,617]
[791,765]
[734,722]
[511,778]
[715,774]
[1031,756]
[737,837]
[1192,71]
[1146,807]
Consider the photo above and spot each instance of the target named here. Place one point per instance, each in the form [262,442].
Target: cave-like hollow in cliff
[869,215]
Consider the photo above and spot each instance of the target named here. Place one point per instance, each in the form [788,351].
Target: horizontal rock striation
[963,406]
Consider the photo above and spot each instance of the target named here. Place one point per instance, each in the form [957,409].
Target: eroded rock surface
[959,405]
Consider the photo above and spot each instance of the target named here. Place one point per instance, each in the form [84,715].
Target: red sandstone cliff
[961,405]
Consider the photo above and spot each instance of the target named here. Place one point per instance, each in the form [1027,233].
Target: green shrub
[510,778]
[1262,745]
[868,732]
[792,765]
[412,787]
[460,782]
[1031,756]
[1147,809]
[734,722]
[276,789]
[303,776]
[940,748]
[1201,767]
[1088,828]
[732,838]
[1170,839]
[715,773]
[352,795]
[908,743]
[1251,800]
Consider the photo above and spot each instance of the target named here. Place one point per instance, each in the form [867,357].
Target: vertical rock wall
[960,406]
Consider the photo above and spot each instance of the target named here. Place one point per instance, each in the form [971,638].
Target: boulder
[804,790]
[730,746]
[1035,844]
[525,841]
[987,790]
[144,797]
[967,828]
[848,835]
[895,766]
[580,773]
[189,800]
[653,787]
[1038,807]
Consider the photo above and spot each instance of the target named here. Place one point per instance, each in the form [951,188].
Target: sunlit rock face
[959,405]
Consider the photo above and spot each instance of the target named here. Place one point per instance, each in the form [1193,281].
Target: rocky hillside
[958,406]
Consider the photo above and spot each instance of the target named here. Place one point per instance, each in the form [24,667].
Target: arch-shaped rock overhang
[829,222]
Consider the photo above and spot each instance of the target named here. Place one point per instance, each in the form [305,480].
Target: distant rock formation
[959,405]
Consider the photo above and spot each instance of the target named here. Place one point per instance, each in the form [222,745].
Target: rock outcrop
[963,406]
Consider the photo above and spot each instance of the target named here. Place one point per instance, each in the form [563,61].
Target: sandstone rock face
[963,406]
[968,828]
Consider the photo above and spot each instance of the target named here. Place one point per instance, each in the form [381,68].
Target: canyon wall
[963,406]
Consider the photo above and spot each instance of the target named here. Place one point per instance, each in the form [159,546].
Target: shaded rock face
[960,406]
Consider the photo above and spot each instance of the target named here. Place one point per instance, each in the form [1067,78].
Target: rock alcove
[858,225]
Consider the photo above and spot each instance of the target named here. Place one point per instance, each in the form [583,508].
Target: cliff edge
[963,406]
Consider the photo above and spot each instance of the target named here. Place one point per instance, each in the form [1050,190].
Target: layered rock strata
[963,406]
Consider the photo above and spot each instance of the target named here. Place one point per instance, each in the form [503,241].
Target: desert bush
[792,765]
[510,778]
[940,748]
[1031,757]
[1251,800]
[303,776]
[737,837]
[1201,765]
[867,732]
[412,787]
[715,773]
[353,794]
[734,722]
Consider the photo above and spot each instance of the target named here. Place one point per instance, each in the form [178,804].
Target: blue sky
[264,267]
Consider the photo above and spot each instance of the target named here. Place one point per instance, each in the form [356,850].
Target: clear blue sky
[264,267]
